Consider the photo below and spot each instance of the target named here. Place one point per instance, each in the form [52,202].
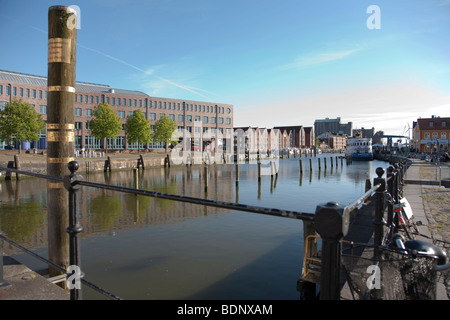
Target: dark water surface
[138,247]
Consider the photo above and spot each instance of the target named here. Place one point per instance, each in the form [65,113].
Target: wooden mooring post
[259,171]
[107,166]
[62,36]
[140,162]
[206,177]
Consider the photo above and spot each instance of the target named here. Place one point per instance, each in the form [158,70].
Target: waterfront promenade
[431,206]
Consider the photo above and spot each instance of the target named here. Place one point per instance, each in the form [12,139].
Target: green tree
[138,128]
[164,129]
[19,122]
[105,123]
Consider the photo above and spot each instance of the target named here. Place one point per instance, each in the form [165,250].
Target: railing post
[395,196]
[390,190]
[379,208]
[401,170]
[74,228]
[331,221]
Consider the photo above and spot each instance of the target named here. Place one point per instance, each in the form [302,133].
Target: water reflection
[148,248]
[103,210]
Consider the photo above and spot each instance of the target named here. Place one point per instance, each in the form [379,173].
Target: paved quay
[22,283]
[431,206]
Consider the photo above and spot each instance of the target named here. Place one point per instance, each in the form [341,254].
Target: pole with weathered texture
[60,127]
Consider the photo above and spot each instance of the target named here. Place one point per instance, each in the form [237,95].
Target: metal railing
[331,221]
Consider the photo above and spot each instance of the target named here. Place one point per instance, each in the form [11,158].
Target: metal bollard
[390,190]
[332,222]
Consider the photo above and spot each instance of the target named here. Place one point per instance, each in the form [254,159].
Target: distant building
[376,139]
[432,134]
[309,137]
[332,141]
[296,136]
[203,121]
[253,140]
[364,133]
[332,125]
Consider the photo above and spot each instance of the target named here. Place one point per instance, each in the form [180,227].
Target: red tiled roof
[424,124]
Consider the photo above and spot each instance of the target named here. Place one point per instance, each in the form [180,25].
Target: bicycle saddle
[421,247]
[428,249]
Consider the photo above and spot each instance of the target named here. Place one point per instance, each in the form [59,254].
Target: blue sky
[285,62]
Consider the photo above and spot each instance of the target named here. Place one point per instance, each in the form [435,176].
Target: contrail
[111,57]
[124,62]
[180,86]
[142,70]
[139,69]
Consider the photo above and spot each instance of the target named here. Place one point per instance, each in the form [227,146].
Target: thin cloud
[305,61]
[112,58]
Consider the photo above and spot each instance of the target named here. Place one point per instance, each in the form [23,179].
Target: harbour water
[138,247]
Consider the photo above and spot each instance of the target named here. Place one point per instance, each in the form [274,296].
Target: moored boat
[359,148]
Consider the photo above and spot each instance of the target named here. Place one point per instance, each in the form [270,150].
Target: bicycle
[420,276]
[405,220]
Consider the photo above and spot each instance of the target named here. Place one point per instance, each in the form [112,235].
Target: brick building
[432,134]
[309,137]
[257,139]
[333,141]
[296,136]
[197,121]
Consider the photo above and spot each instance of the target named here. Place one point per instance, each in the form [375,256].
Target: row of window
[431,124]
[23,93]
[151,104]
[435,135]
[152,116]
[79,98]
[228,131]
[113,143]
[197,129]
